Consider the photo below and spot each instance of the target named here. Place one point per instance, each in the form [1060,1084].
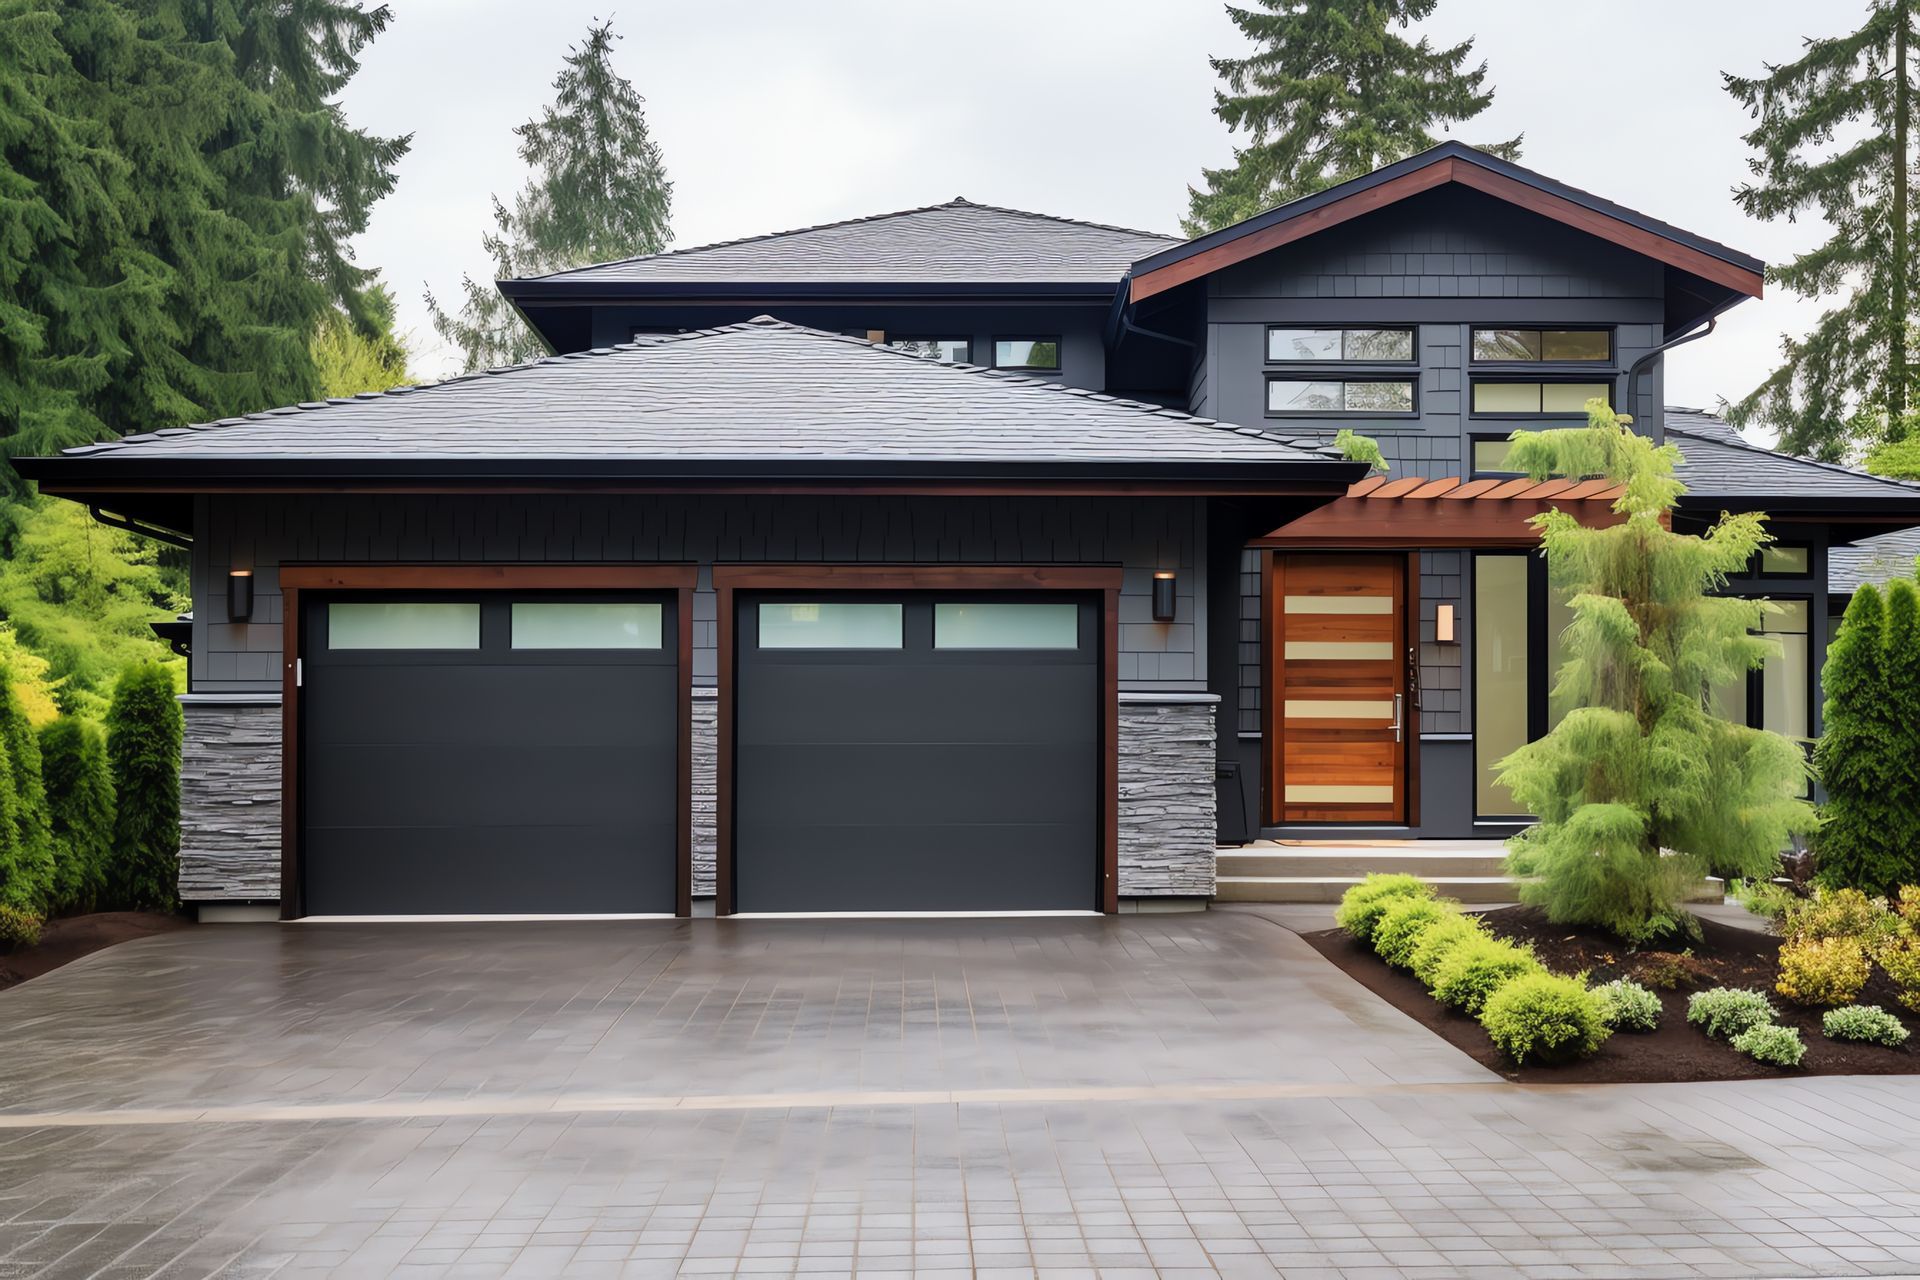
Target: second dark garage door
[916,752]
[490,754]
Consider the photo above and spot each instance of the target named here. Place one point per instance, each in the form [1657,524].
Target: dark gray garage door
[916,753]
[489,755]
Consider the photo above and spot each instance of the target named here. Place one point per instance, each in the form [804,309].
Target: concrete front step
[1233,888]
[1356,861]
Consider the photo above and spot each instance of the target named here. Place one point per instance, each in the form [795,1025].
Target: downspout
[1646,361]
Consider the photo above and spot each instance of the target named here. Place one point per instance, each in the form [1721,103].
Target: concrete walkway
[1187,1095]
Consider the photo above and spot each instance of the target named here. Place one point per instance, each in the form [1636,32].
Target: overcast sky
[773,114]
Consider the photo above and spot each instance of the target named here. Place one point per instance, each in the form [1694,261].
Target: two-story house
[957,559]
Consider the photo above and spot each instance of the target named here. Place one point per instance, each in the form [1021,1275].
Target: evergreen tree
[73,755]
[143,746]
[1331,92]
[1834,137]
[29,848]
[177,186]
[349,362]
[1864,758]
[1640,790]
[598,192]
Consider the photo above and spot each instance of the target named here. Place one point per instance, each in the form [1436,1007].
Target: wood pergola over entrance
[1413,513]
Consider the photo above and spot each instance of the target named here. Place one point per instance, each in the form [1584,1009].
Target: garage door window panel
[384,624]
[999,625]
[592,624]
[816,625]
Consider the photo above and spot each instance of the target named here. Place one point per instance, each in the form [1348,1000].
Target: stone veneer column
[706,755]
[1167,808]
[230,798]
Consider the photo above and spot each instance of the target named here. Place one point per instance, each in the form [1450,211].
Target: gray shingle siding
[263,533]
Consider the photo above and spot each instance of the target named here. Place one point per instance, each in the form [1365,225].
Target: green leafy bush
[1901,960]
[1726,1011]
[1538,1017]
[143,746]
[1764,898]
[1628,1006]
[1839,913]
[1822,970]
[19,928]
[26,847]
[1404,923]
[1865,1022]
[1477,968]
[1670,970]
[1362,906]
[1907,904]
[73,754]
[1774,1045]
[1439,941]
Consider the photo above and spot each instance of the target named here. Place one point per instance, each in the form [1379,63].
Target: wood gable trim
[1444,170]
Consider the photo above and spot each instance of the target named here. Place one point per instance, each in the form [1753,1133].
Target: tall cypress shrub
[73,757]
[1866,840]
[143,746]
[29,877]
[16,886]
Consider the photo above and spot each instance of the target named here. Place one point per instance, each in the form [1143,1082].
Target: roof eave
[605,292]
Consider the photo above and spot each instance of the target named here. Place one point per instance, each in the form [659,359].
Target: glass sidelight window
[1502,676]
[383,624]
[589,625]
[993,625]
[840,625]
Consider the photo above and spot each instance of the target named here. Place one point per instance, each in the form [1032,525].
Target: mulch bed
[1723,956]
[66,940]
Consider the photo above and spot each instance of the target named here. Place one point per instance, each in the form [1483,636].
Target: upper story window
[958,350]
[1542,346]
[1339,346]
[1785,560]
[1320,396]
[1027,353]
[1536,399]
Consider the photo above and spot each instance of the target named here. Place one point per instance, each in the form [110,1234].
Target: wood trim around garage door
[295,578]
[730,578]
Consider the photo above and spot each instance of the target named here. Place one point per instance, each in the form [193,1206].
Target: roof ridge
[956,202]
[757,323]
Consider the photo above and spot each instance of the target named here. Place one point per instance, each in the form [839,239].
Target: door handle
[1396,725]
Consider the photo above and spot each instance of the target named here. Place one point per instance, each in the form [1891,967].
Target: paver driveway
[1182,1094]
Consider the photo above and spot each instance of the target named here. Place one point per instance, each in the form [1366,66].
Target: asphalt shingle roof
[764,390]
[1720,463]
[945,243]
[1891,555]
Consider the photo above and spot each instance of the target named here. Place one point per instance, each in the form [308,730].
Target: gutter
[113,520]
[1645,362]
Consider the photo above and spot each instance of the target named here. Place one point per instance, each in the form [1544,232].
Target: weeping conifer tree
[1641,790]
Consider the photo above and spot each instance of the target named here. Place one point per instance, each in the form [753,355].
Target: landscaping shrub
[1628,1006]
[1869,835]
[1477,968]
[143,746]
[1362,906]
[18,928]
[1901,961]
[1403,924]
[1907,904]
[1822,971]
[26,845]
[1671,970]
[1776,1046]
[1839,913]
[1439,941]
[1762,897]
[1865,1022]
[1538,1017]
[1726,1011]
[73,755]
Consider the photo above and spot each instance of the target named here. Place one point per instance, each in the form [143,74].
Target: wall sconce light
[1163,608]
[240,595]
[1443,624]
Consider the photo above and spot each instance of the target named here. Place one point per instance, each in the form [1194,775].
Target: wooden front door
[1338,696]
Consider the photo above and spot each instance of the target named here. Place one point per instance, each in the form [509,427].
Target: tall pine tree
[1331,91]
[177,188]
[1834,137]
[598,192]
